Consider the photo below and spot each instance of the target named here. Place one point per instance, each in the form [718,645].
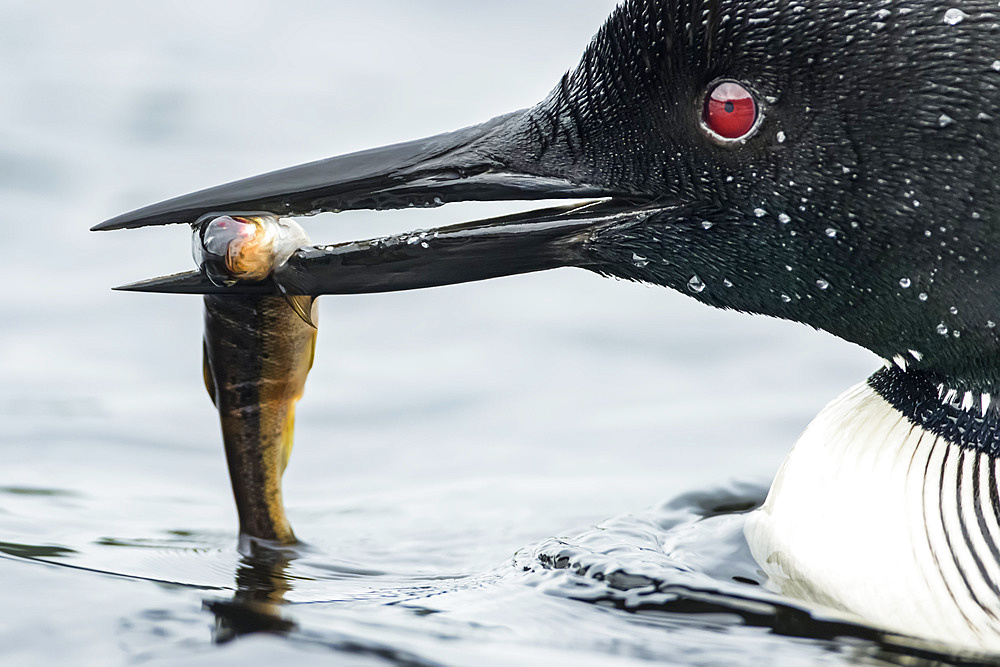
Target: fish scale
[257,355]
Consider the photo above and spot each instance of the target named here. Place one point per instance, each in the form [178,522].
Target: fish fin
[302,305]
[312,351]
[287,437]
[206,371]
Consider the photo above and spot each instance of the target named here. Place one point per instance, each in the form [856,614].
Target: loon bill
[830,163]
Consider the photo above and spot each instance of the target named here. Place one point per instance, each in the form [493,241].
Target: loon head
[829,163]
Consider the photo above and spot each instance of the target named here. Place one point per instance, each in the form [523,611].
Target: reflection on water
[262,581]
[674,582]
[34,550]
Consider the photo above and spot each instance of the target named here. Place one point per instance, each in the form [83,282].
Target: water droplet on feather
[954,16]
[696,285]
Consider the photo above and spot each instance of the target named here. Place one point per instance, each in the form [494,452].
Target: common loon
[826,162]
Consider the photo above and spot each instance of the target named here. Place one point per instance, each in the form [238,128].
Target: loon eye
[730,110]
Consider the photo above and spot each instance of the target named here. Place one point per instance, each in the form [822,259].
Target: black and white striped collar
[970,419]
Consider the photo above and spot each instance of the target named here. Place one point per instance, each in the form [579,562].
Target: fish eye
[233,248]
[730,111]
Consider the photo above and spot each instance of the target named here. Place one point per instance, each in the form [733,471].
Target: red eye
[730,110]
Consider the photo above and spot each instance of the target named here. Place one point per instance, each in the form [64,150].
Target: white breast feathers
[873,515]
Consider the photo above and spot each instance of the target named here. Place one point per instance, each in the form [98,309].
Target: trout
[258,351]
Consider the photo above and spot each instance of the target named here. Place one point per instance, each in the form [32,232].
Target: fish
[258,351]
